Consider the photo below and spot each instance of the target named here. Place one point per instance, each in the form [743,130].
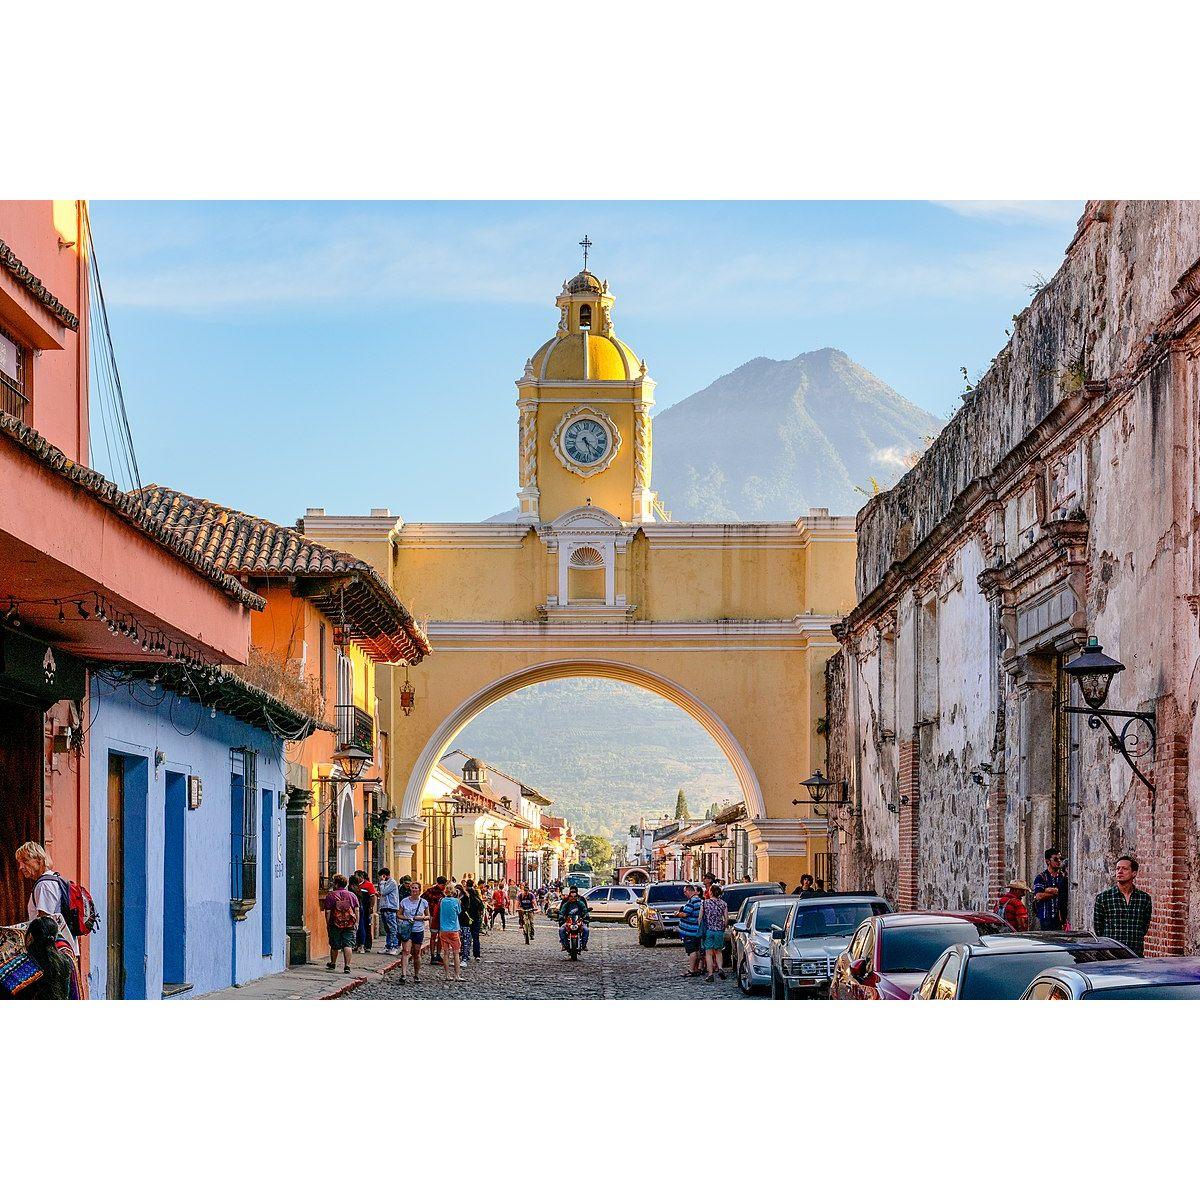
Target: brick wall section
[996,869]
[1162,842]
[909,784]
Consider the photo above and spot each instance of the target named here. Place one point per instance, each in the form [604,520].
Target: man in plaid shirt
[1123,912]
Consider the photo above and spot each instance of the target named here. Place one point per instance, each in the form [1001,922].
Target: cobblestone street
[615,967]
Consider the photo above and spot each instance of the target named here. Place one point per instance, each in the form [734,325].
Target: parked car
[658,913]
[1001,967]
[750,938]
[889,955]
[735,896]
[817,929]
[1122,979]
[614,903]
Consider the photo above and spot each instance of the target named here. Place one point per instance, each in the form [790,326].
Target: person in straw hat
[1012,905]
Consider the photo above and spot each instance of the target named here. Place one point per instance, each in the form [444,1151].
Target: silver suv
[815,932]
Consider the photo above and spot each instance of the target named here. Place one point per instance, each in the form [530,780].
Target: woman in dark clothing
[43,972]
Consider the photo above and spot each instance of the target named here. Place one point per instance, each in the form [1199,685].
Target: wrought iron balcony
[356,727]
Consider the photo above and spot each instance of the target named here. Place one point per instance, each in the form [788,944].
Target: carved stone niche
[1043,592]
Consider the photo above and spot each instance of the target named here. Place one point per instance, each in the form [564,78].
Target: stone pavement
[615,967]
[312,982]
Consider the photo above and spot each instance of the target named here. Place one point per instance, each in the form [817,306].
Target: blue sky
[354,355]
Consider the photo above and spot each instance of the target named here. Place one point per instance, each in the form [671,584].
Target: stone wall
[1060,501]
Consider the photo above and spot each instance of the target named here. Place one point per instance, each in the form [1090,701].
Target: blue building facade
[187,835]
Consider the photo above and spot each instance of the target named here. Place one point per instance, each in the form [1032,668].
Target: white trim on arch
[449,729]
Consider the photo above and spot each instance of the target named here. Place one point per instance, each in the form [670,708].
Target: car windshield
[665,893]
[766,915]
[1006,976]
[916,947]
[1147,991]
[734,896]
[833,919]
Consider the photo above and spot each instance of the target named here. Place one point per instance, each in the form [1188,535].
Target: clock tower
[584,404]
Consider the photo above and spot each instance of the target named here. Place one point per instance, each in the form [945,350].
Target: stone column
[299,804]
[529,495]
[643,497]
[405,837]
[781,848]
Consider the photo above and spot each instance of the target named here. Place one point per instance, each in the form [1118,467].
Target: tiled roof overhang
[359,602]
[126,505]
[36,288]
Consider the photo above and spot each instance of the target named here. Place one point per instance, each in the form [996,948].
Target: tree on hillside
[681,808]
[596,851]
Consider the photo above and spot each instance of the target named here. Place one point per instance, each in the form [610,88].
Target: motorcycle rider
[573,906]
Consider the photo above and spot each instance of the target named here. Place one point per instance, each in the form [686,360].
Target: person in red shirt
[434,895]
[1012,905]
[499,905]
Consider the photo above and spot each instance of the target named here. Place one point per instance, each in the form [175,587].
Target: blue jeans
[391,927]
[562,937]
[474,931]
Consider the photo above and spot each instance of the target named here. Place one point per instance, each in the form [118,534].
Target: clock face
[585,441]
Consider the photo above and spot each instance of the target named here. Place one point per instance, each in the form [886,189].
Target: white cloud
[1010,212]
[891,456]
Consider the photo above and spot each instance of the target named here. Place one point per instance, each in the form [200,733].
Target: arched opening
[585,316]
[347,844]
[741,778]
[586,578]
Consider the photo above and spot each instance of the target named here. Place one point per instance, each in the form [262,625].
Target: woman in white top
[414,909]
[49,890]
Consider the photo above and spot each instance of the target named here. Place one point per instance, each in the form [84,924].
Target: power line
[114,400]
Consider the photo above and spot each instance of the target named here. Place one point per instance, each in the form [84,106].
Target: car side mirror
[740,927]
[777,933]
[860,969]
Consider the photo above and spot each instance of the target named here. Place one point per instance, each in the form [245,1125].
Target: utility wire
[108,359]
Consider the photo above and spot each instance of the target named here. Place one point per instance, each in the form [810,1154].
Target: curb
[352,984]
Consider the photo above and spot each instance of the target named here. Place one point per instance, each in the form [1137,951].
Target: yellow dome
[608,358]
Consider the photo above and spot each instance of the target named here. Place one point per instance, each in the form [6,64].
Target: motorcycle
[574,931]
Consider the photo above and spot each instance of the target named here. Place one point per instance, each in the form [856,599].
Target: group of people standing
[702,922]
[1122,911]
[448,916]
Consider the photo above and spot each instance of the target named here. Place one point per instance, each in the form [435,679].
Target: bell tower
[584,404]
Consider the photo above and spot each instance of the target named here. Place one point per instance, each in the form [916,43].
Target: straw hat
[1019,884]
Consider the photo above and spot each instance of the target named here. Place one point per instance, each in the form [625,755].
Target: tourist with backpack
[341,919]
[68,903]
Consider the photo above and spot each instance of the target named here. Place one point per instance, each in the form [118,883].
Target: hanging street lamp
[819,788]
[1094,671]
[352,761]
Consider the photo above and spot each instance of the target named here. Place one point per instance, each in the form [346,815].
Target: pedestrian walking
[1050,893]
[499,906]
[474,907]
[1123,911]
[341,921]
[389,910]
[414,919]
[433,894]
[449,937]
[464,926]
[1011,905]
[49,895]
[689,929]
[364,939]
[714,916]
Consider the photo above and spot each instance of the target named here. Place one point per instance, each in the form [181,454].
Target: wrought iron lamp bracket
[1128,742]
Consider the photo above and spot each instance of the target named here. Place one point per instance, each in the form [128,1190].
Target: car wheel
[743,979]
[631,920]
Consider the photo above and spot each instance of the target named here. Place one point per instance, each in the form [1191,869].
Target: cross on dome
[587,245]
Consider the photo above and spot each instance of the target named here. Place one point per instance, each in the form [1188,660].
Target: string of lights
[92,606]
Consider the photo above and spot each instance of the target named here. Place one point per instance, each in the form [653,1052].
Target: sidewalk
[312,981]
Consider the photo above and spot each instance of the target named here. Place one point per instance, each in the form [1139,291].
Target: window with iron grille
[327,833]
[243,826]
[14,391]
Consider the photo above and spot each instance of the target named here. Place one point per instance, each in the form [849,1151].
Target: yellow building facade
[730,622]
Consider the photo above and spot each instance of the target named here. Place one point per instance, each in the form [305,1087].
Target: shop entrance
[21,805]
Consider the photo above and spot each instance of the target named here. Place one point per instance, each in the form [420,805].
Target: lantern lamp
[1094,670]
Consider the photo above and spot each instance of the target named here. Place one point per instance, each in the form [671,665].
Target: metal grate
[243,827]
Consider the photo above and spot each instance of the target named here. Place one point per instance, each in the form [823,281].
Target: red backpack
[344,915]
[78,907]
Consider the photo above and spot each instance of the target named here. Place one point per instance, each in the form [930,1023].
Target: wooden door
[21,777]
[116,878]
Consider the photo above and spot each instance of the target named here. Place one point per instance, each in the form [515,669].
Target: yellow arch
[445,734]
